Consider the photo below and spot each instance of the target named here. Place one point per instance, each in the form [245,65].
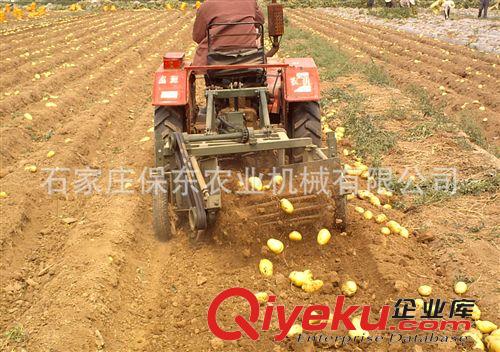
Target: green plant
[376,75]
[16,334]
[394,12]
[332,62]
[475,133]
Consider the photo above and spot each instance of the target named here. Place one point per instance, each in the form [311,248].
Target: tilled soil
[85,273]
[464,28]
[459,77]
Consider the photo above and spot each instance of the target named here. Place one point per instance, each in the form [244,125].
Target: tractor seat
[248,77]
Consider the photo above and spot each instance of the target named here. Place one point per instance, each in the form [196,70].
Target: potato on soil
[349,288]
[476,313]
[323,237]
[255,183]
[380,218]
[368,215]
[425,290]
[295,236]
[262,297]
[312,286]
[385,230]
[493,343]
[460,288]
[298,278]
[276,246]
[485,326]
[359,210]
[277,180]
[286,206]
[394,226]
[295,330]
[266,267]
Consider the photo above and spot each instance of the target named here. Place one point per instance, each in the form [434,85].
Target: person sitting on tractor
[225,12]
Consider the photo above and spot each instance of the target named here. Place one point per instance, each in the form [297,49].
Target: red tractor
[254,103]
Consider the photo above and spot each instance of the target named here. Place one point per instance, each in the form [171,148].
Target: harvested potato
[387,206]
[394,226]
[323,237]
[478,344]
[30,168]
[276,246]
[350,196]
[358,332]
[349,288]
[255,183]
[460,287]
[368,215]
[295,330]
[266,267]
[375,201]
[476,313]
[277,180]
[286,206]
[425,290]
[359,210]
[404,232]
[295,236]
[312,285]
[493,343]
[298,278]
[485,326]
[262,297]
[51,153]
[380,218]
[385,231]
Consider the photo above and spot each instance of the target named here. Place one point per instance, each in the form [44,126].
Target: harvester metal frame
[181,145]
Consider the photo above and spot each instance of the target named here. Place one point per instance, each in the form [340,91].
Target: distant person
[483,8]
[447,6]
[371,3]
[388,3]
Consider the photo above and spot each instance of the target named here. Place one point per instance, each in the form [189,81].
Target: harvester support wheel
[305,119]
[161,216]
[167,119]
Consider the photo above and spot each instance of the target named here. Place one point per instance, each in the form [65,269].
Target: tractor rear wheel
[167,119]
[305,119]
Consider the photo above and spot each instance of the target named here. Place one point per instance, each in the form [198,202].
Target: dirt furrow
[71,51]
[37,42]
[403,76]
[26,31]
[92,209]
[89,110]
[429,50]
[456,49]
[397,55]
[70,24]
[44,48]
[52,84]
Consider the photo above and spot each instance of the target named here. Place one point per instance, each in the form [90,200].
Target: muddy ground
[85,272]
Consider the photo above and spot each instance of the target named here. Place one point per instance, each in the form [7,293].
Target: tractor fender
[170,87]
[301,80]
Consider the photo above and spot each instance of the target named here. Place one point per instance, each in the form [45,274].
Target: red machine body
[294,80]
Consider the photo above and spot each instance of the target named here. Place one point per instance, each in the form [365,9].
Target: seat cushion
[237,57]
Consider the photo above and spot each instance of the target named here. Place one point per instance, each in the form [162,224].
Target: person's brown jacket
[223,11]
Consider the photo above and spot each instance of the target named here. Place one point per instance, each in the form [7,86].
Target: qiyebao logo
[317,317]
